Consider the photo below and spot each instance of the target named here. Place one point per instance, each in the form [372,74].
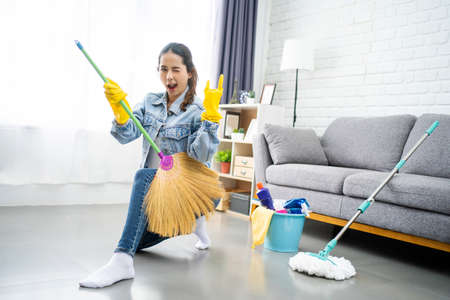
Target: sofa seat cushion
[432,158]
[367,143]
[410,190]
[413,221]
[321,202]
[312,177]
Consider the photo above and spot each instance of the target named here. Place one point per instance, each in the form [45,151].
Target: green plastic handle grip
[141,129]
[400,164]
[365,205]
[130,113]
[432,127]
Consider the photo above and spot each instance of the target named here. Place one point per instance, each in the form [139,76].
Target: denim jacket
[178,131]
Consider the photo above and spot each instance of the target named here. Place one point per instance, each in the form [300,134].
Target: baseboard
[384,232]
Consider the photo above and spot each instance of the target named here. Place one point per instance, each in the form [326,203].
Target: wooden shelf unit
[263,114]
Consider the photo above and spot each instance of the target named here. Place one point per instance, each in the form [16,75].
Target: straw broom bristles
[179,195]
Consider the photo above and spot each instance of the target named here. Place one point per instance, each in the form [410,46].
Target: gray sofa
[339,170]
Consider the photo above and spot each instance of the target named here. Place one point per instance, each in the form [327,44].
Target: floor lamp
[298,55]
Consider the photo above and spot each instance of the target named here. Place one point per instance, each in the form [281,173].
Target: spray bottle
[264,196]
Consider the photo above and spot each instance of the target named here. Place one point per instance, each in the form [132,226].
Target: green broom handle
[141,129]
[129,112]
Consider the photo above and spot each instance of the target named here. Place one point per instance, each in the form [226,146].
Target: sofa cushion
[416,191]
[261,156]
[311,177]
[432,158]
[413,221]
[293,145]
[368,143]
[321,203]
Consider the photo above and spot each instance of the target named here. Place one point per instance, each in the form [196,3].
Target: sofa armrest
[262,158]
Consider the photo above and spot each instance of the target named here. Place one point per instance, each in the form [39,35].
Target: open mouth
[171,87]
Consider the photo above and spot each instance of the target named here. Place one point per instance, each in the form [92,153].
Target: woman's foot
[200,231]
[119,267]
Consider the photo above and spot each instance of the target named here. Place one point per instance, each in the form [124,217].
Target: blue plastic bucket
[284,232]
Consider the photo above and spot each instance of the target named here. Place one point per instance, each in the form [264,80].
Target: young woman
[178,122]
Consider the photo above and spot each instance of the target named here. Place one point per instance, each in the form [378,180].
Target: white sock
[119,267]
[200,231]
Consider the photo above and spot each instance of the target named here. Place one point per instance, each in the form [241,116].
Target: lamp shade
[298,54]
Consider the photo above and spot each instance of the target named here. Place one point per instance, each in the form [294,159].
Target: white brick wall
[372,58]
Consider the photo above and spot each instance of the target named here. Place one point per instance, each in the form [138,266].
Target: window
[47,83]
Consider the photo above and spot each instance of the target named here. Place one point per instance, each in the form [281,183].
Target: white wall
[372,58]
[261,45]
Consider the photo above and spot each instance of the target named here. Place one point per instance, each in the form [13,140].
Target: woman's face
[173,74]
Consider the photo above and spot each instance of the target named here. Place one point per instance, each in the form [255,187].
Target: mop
[322,264]
[183,188]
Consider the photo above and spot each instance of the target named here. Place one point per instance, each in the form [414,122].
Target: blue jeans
[135,235]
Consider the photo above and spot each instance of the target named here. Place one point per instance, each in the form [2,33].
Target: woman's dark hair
[185,53]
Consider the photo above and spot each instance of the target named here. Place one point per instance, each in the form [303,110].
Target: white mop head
[305,263]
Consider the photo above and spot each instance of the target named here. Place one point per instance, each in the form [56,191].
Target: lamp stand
[295,101]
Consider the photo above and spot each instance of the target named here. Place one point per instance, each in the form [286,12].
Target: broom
[182,189]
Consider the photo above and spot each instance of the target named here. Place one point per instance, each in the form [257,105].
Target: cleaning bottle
[264,196]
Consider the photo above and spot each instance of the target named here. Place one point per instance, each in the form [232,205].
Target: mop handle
[130,113]
[362,208]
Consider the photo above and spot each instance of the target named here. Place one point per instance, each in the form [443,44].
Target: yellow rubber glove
[211,102]
[114,94]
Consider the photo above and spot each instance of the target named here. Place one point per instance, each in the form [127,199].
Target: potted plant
[251,97]
[224,157]
[238,134]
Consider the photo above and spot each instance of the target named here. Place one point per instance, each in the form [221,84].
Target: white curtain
[54,119]
[47,82]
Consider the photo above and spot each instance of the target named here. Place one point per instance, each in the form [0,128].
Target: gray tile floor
[46,250]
